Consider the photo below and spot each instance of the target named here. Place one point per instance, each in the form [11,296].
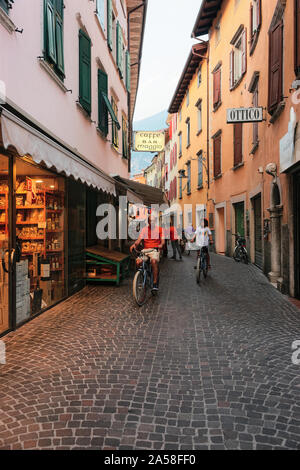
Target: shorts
[153,255]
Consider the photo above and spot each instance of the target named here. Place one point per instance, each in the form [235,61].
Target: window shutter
[238,143]
[244,51]
[102,109]
[217,87]
[109,25]
[128,71]
[217,156]
[59,5]
[119,48]
[50,31]
[231,68]
[297,37]
[251,22]
[258,14]
[60,44]
[4,5]
[275,66]
[85,71]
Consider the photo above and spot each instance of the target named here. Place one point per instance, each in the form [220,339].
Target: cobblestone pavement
[196,368]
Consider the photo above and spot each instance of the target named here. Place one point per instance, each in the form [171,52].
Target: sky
[167,44]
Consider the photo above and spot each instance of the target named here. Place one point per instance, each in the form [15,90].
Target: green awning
[110,110]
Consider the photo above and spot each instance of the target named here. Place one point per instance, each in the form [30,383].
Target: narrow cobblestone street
[197,368]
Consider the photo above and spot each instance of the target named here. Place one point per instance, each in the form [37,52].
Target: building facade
[254,167]
[67,95]
[189,111]
[171,157]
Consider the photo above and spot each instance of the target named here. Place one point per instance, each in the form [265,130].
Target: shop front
[43,227]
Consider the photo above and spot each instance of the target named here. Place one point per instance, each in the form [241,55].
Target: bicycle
[202,264]
[143,279]
[240,252]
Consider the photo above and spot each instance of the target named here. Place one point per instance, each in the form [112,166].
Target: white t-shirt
[202,236]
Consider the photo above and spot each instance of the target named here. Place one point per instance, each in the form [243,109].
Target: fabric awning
[134,198]
[110,110]
[29,141]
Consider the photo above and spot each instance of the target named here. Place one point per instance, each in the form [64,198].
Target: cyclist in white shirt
[203,237]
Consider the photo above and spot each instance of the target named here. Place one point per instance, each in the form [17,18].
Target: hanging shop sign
[240,115]
[146,141]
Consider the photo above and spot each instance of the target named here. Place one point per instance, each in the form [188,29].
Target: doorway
[240,219]
[258,245]
[220,229]
[5,244]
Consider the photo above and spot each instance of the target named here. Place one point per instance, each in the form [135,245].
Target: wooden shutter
[4,5]
[217,156]
[101,12]
[244,51]
[231,69]
[109,25]
[59,6]
[275,66]
[85,71]
[251,22]
[50,31]
[128,72]
[59,44]
[238,143]
[102,109]
[297,37]
[258,12]
[119,48]
[217,87]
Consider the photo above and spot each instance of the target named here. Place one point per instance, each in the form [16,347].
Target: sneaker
[173,258]
[155,287]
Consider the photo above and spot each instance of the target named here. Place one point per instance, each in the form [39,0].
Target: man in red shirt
[174,240]
[153,237]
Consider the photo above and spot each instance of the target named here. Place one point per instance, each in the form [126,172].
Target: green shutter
[4,5]
[60,45]
[59,6]
[109,25]
[50,31]
[85,71]
[128,71]
[102,109]
[119,48]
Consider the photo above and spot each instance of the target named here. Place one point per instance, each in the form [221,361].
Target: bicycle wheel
[198,272]
[245,257]
[237,254]
[139,288]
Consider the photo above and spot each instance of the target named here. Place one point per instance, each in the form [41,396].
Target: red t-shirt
[173,234]
[152,237]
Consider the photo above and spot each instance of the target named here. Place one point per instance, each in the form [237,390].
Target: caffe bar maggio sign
[145,141]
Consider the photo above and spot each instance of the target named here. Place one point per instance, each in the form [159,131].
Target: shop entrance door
[5,246]
[258,232]
[297,234]
[239,219]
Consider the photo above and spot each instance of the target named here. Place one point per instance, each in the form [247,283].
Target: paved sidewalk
[196,368]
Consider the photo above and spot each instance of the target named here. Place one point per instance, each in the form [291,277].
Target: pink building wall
[31,88]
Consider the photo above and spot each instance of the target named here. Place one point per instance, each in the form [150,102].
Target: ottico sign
[145,141]
[244,115]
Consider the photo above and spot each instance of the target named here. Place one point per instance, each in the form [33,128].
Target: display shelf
[29,207]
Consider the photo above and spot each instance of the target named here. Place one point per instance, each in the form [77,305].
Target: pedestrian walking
[174,242]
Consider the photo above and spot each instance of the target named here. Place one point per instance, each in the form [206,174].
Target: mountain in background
[140,160]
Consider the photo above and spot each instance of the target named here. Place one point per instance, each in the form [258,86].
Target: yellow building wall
[198,142]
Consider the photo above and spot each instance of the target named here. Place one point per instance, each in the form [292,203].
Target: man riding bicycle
[203,237]
[153,237]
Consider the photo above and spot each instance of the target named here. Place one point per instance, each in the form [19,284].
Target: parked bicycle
[240,252]
[202,264]
[143,279]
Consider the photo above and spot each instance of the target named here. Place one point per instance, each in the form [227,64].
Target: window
[6,5]
[114,36]
[128,71]
[180,115]
[199,115]
[218,32]
[53,34]
[180,188]
[255,124]
[125,149]
[188,188]
[115,134]
[217,155]
[188,98]
[275,66]
[101,10]
[85,92]
[200,170]
[102,108]
[120,50]
[255,22]
[238,143]
[297,37]
[188,132]
[217,88]
[180,144]
[199,76]
[238,57]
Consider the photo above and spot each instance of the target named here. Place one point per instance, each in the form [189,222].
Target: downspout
[142,5]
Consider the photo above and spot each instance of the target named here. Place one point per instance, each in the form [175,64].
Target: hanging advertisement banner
[148,141]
